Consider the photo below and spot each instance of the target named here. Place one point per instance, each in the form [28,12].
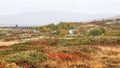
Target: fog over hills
[43,18]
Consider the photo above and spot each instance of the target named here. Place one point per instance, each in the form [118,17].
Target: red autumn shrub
[63,56]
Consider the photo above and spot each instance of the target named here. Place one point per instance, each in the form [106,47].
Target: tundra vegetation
[94,44]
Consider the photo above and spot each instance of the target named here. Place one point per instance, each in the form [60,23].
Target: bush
[27,43]
[6,52]
[63,32]
[52,42]
[38,48]
[20,47]
[97,32]
[88,49]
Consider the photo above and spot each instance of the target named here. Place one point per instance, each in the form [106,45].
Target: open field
[60,53]
[66,45]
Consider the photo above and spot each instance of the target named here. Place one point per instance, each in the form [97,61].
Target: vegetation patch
[86,48]
[97,32]
[61,56]
[23,58]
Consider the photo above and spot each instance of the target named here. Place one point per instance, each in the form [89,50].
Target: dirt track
[7,43]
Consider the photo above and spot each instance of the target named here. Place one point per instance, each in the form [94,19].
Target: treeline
[61,28]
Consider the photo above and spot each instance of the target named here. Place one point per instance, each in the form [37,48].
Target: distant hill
[118,16]
[110,24]
[43,18]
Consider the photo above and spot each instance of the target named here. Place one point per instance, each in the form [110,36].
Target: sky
[76,6]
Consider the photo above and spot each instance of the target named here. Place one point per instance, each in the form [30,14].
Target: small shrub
[6,52]
[20,47]
[96,32]
[30,58]
[52,41]
[88,49]
[27,42]
[113,60]
[113,33]
[38,48]
[63,31]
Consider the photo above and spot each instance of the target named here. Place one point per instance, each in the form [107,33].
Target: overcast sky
[77,6]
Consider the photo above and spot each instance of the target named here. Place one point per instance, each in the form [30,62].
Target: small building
[72,31]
